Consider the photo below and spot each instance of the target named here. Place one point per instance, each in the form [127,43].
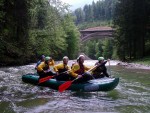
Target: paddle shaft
[109,68]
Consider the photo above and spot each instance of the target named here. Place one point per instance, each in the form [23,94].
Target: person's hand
[57,73]
[79,76]
[67,72]
[44,71]
[88,73]
[97,64]
[108,60]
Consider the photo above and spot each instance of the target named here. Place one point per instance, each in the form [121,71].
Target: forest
[131,21]
[30,28]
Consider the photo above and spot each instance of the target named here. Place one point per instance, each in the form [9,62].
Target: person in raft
[43,69]
[101,70]
[62,70]
[79,71]
[42,59]
[52,63]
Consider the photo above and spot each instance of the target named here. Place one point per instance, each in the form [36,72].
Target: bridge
[96,32]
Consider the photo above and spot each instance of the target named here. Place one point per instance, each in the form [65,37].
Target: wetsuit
[100,71]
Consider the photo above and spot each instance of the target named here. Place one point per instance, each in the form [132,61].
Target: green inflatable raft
[103,84]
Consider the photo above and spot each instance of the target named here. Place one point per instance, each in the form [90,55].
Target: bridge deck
[89,33]
[97,29]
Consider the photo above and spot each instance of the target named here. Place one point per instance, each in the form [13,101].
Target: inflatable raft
[102,84]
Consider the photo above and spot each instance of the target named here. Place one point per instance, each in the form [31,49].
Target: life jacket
[42,66]
[46,67]
[63,70]
[81,70]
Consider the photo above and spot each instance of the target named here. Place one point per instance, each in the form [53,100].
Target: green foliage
[147,47]
[59,34]
[72,37]
[144,61]
[79,15]
[91,49]
[86,25]
[131,19]
[14,31]
[108,48]
[99,11]
[1,12]
[30,28]
[97,48]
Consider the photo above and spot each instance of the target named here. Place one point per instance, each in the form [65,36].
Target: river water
[132,95]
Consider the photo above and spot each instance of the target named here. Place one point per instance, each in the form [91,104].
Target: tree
[29,28]
[72,37]
[130,22]
[79,15]
[99,50]
[101,10]
[14,31]
[108,49]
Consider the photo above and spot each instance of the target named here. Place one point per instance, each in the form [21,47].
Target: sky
[78,3]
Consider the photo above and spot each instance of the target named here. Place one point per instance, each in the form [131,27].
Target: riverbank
[134,65]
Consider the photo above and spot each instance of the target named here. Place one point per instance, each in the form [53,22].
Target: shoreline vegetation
[137,64]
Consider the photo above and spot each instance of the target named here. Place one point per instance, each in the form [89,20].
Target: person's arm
[97,63]
[37,64]
[53,62]
[40,67]
[86,68]
[75,67]
[105,72]
[57,67]
[68,68]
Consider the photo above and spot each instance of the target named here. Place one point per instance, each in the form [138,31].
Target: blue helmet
[43,56]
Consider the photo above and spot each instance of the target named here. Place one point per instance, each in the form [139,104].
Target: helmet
[80,57]
[43,56]
[47,58]
[65,57]
[100,58]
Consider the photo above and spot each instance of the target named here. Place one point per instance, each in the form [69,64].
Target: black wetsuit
[101,71]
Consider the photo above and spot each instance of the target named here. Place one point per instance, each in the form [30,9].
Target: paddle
[41,80]
[49,77]
[109,67]
[67,84]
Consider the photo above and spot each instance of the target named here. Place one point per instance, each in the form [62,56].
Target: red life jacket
[81,70]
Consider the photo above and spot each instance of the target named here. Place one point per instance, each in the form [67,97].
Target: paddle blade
[45,79]
[64,86]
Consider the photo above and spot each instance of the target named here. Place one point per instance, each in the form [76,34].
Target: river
[132,95]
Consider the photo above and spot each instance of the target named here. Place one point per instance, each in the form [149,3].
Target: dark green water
[132,95]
